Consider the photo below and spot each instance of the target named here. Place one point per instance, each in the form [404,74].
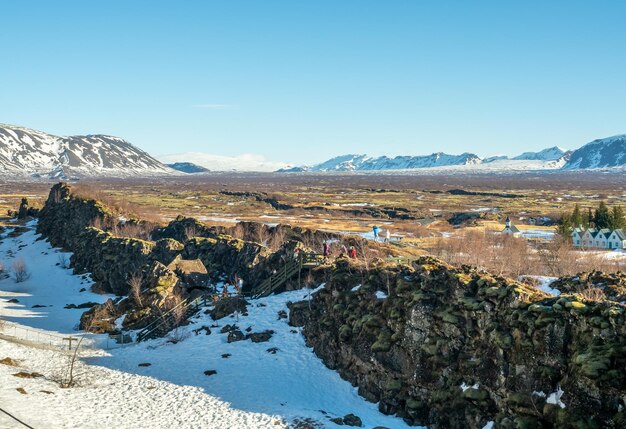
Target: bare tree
[277,238]
[135,283]
[20,271]
[63,260]
[191,232]
[178,309]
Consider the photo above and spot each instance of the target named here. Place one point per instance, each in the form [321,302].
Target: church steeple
[507,221]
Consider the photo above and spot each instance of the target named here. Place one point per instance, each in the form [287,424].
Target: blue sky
[303,81]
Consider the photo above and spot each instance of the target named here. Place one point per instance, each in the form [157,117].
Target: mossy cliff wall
[66,221]
[457,348]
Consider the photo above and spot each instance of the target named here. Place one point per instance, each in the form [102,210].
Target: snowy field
[255,385]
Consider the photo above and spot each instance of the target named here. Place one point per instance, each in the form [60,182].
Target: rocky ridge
[458,348]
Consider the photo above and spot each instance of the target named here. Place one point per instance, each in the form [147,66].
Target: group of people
[237,285]
[376,231]
[349,252]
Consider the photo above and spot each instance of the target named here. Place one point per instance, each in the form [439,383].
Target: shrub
[593,294]
[20,271]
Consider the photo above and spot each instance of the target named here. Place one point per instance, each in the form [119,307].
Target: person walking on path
[326,249]
[376,230]
[387,236]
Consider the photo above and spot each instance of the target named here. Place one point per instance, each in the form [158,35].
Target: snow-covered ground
[538,233]
[543,284]
[256,385]
[49,288]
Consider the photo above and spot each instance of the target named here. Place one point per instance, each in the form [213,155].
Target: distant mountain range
[188,167]
[550,158]
[23,150]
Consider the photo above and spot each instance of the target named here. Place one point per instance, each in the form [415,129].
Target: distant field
[412,207]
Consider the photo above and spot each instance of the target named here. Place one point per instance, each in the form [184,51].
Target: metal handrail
[162,317]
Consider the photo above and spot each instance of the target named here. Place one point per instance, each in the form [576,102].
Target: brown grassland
[415,208]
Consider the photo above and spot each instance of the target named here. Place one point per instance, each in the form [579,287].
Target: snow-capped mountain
[366,163]
[188,167]
[245,162]
[609,152]
[23,150]
[549,154]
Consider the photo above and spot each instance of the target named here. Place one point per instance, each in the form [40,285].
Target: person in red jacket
[352,252]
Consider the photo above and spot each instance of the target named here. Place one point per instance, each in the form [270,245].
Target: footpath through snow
[255,385]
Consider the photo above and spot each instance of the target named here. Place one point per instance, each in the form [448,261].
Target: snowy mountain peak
[35,152]
[366,163]
[549,154]
[608,152]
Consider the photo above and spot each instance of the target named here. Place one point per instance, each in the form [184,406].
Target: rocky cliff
[68,220]
[458,348]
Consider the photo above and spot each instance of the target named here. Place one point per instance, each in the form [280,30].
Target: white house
[510,229]
[599,238]
[617,239]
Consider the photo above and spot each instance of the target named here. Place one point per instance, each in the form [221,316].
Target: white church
[599,238]
[510,229]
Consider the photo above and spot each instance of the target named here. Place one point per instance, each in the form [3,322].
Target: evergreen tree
[617,218]
[602,218]
[564,226]
[577,217]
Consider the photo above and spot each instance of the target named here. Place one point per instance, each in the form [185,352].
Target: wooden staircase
[167,321]
[294,266]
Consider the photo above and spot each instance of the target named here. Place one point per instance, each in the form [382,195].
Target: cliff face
[65,216]
[66,220]
[456,348]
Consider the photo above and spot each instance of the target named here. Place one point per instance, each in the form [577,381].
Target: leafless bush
[277,239]
[497,253]
[97,223]
[178,309]
[139,230]
[238,231]
[63,261]
[20,271]
[261,235]
[135,283]
[56,196]
[191,232]
[593,294]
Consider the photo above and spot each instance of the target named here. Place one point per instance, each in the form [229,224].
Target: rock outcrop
[458,348]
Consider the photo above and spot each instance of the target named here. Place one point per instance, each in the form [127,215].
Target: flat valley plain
[414,207]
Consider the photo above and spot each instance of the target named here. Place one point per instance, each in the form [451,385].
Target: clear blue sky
[303,81]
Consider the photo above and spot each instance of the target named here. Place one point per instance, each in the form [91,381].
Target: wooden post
[70,339]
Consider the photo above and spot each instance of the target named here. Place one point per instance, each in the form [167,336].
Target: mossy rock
[450,317]
[345,333]
[464,278]
[538,308]
[520,399]
[414,404]
[393,385]
[496,292]
[382,343]
[503,340]
[471,304]
[430,349]
[527,422]
[372,321]
[576,305]
[476,394]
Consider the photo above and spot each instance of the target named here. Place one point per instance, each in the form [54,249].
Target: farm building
[599,238]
